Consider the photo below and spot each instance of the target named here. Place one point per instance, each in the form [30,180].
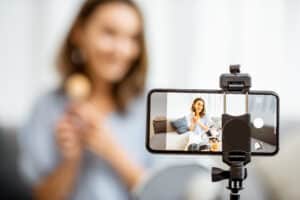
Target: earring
[76,56]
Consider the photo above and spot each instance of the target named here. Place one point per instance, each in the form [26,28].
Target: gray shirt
[96,180]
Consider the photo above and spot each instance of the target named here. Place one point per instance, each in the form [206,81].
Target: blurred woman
[93,149]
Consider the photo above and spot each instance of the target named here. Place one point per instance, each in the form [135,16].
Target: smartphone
[190,121]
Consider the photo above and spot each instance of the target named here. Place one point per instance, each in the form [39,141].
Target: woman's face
[109,41]
[199,106]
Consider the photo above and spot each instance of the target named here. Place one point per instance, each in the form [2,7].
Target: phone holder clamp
[236,138]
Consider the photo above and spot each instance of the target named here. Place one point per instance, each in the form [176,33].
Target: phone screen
[190,121]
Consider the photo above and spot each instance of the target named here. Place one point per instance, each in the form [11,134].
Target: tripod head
[236,137]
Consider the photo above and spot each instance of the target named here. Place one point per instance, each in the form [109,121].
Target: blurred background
[190,44]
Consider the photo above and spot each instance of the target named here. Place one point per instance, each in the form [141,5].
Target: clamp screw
[234,69]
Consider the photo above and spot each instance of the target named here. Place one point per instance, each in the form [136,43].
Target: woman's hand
[194,119]
[59,183]
[97,137]
[90,123]
[68,139]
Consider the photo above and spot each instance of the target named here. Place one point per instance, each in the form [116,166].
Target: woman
[197,123]
[65,159]
[198,119]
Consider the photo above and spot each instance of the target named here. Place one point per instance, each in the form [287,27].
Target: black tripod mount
[236,135]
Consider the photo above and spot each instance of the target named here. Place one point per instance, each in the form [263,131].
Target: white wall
[29,36]
[190,44]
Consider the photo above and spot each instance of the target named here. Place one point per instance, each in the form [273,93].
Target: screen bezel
[255,92]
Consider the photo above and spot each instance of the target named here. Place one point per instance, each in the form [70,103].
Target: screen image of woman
[201,137]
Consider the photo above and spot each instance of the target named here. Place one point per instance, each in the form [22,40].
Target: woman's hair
[202,113]
[132,85]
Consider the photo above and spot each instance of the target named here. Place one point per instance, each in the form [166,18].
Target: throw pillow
[180,125]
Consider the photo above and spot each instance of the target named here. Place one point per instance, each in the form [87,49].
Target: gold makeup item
[78,87]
